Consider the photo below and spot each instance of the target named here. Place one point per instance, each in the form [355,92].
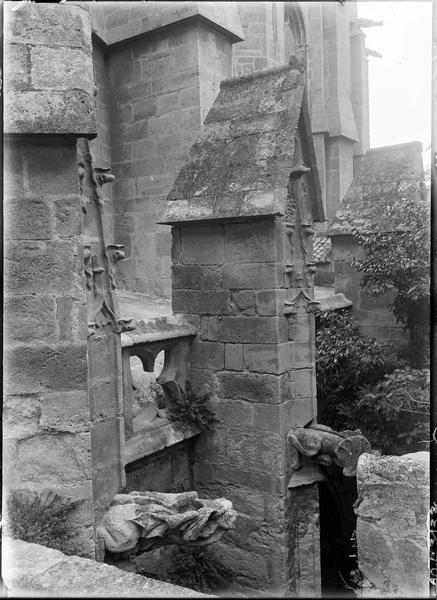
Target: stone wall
[232,276]
[164,65]
[263,29]
[372,313]
[242,248]
[161,89]
[385,177]
[167,471]
[46,412]
[392,508]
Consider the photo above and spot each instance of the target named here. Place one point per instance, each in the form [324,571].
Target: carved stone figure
[141,521]
[326,447]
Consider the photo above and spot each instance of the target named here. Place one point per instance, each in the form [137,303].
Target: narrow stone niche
[146,394]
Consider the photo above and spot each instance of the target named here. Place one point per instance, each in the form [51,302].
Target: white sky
[400,81]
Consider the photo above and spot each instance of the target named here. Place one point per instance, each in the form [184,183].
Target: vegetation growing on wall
[364,384]
[401,402]
[196,569]
[345,361]
[191,409]
[41,518]
[395,240]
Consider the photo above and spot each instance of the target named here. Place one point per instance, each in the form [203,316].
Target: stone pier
[242,211]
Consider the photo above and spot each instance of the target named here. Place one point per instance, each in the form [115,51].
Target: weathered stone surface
[21,415]
[164,518]
[65,411]
[31,368]
[47,25]
[253,387]
[33,459]
[16,67]
[391,525]
[252,276]
[61,68]
[51,46]
[30,569]
[67,216]
[156,438]
[70,112]
[30,318]
[207,355]
[41,266]
[253,330]
[234,357]
[326,446]
[240,165]
[27,219]
[122,24]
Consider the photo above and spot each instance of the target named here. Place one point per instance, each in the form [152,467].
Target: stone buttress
[242,211]
[63,425]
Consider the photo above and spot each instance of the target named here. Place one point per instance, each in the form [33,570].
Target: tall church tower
[328,35]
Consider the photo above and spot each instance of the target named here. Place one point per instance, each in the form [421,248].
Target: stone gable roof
[387,175]
[240,165]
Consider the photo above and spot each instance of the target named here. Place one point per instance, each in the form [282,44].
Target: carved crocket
[326,447]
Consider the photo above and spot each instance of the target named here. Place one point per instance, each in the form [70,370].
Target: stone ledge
[156,438]
[69,112]
[153,319]
[329,300]
[156,330]
[31,570]
[225,21]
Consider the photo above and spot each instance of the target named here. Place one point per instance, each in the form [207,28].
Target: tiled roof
[322,249]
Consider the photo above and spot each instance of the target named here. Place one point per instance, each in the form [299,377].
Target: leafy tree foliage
[395,240]
[367,385]
[345,361]
[401,402]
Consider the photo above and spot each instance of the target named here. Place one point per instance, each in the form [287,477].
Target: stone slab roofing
[387,176]
[240,165]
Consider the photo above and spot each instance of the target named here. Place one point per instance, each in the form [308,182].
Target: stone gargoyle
[326,447]
[141,521]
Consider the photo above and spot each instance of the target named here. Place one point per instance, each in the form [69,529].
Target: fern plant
[196,569]
[191,409]
[41,518]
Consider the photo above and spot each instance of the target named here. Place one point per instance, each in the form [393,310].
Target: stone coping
[167,14]
[31,570]
[156,330]
[153,319]
[157,437]
[329,300]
